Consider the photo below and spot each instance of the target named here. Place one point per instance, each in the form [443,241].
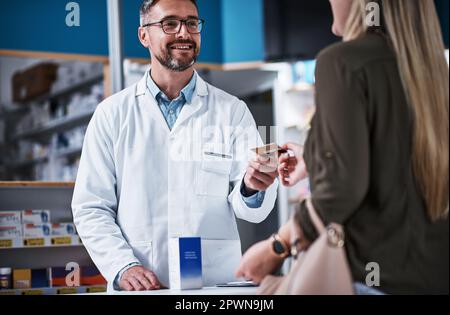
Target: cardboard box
[10,218]
[63,229]
[33,82]
[34,231]
[185,263]
[10,232]
[35,216]
[22,278]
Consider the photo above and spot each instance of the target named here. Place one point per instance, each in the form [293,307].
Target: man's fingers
[126,285]
[255,184]
[153,279]
[262,159]
[135,283]
[255,168]
[145,282]
[255,165]
[262,177]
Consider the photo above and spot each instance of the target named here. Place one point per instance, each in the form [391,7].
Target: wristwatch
[279,246]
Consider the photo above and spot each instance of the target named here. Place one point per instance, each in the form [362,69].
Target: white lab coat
[140,183]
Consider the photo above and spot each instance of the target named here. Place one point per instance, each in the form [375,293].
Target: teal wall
[233,30]
[243,30]
[40,25]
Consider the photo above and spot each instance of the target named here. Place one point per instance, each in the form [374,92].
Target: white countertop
[204,291]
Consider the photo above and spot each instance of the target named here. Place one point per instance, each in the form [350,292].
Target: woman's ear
[143,37]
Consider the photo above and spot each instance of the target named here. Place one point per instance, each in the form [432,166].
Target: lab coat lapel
[198,101]
[150,103]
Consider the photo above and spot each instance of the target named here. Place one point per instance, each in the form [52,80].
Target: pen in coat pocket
[220,155]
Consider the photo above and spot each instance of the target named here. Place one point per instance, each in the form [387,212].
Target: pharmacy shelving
[56,290]
[38,253]
[61,101]
[69,90]
[69,153]
[55,126]
[39,242]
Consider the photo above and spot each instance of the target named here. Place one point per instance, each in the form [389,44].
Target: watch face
[278,247]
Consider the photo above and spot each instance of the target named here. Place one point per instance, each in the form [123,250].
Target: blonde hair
[414,32]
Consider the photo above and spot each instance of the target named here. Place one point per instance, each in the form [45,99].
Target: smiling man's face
[176,52]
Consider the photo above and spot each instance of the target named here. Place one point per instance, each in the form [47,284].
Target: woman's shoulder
[357,53]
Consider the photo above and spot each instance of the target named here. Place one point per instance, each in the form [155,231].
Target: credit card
[269,149]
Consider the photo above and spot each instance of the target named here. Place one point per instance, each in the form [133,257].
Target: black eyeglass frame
[182,21]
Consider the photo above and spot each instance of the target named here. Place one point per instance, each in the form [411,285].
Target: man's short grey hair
[148,4]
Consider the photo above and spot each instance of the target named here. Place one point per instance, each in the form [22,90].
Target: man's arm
[243,175]
[94,203]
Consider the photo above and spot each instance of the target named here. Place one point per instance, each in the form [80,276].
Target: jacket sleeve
[245,137]
[94,203]
[340,154]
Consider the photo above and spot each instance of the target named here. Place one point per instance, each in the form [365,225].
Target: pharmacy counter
[204,291]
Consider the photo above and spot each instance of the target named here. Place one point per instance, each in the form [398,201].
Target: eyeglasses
[173,26]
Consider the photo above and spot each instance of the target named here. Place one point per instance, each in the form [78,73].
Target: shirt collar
[187,92]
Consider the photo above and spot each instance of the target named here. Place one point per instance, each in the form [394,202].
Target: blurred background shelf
[35,184]
[55,126]
[55,290]
[68,153]
[40,242]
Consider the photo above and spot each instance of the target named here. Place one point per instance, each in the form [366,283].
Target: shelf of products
[56,290]
[43,130]
[55,126]
[40,242]
[40,253]
[70,89]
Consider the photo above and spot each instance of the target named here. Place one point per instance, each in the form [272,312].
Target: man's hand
[292,169]
[139,279]
[261,173]
[258,262]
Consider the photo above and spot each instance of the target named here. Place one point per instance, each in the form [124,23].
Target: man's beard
[170,62]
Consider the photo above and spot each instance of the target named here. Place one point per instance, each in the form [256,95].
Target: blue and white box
[185,263]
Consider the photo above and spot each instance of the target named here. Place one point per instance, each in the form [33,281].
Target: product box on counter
[10,232]
[63,229]
[10,218]
[185,263]
[35,216]
[37,230]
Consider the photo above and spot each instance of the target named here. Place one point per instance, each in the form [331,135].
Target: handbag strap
[315,219]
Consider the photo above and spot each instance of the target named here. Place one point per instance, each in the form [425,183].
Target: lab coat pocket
[143,251]
[220,260]
[213,178]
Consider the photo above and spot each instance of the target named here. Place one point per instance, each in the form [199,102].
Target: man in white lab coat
[166,158]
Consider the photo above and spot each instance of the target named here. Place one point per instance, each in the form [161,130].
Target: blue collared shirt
[172,109]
